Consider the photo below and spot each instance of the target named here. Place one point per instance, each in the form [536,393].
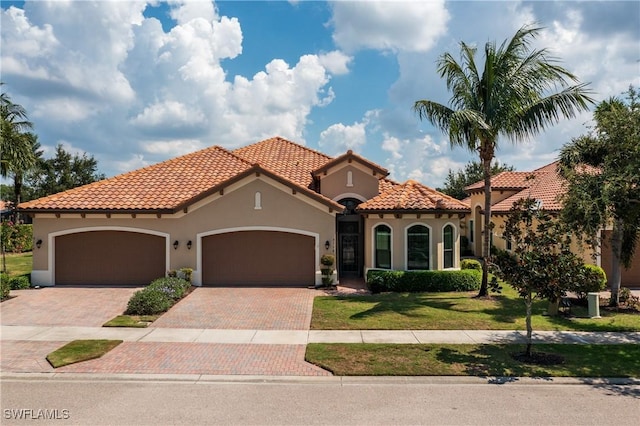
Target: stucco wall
[280,209]
[334,184]
[398,237]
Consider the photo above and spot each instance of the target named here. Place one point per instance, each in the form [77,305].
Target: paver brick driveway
[242,309]
[65,306]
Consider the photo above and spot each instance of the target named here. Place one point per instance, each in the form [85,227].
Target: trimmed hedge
[423,281]
[20,282]
[175,288]
[158,296]
[470,264]
[5,288]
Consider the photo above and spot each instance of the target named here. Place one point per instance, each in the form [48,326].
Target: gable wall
[334,184]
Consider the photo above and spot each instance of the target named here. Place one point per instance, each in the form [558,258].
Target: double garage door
[245,258]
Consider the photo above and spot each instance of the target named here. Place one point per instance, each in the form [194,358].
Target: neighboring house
[545,186]
[263,214]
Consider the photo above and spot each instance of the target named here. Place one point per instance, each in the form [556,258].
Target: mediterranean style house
[263,214]
[545,186]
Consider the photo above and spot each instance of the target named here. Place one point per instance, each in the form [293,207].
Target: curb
[326,380]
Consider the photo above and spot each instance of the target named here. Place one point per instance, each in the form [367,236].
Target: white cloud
[339,138]
[173,148]
[386,25]
[335,62]
[169,114]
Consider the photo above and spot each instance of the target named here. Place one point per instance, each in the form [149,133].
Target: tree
[516,96]
[603,172]
[456,182]
[18,154]
[541,263]
[62,172]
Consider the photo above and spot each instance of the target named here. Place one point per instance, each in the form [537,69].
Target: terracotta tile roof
[289,160]
[504,180]
[350,156]
[547,187]
[164,186]
[413,196]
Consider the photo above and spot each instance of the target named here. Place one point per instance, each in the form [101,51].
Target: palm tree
[18,148]
[519,93]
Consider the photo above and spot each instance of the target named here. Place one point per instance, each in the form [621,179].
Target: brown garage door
[109,257]
[258,258]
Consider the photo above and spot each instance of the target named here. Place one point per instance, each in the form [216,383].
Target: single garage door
[258,258]
[109,257]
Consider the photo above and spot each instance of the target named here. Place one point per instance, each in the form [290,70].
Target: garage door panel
[258,258]
[109,257]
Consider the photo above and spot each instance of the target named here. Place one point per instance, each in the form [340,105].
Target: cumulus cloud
[387,25]
[119,76]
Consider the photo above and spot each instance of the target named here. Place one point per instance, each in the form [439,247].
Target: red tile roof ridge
[280,138]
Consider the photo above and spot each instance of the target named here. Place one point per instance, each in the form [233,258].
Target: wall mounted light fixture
[189,245]
[175,245]
[327,244]
[39,243]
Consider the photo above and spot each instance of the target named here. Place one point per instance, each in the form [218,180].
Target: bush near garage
[175,288]
[158,296]
[20,282]
[423,281]
[470,264]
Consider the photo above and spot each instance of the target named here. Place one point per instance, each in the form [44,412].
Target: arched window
[447,235]
[382,247]
[418,247]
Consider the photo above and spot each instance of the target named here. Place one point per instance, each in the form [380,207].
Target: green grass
[473,360]
[454,311]
[19,264]
[137,321]
[80,350]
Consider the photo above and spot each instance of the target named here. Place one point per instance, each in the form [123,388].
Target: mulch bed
[538,358]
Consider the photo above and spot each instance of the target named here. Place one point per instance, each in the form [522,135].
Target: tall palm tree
[18,148]
[519,93]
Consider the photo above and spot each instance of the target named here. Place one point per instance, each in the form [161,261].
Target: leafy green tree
[62,172]
[603,171]
[473,172]
[540,263]
[517,93]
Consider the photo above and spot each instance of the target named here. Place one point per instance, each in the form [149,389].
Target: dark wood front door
[349,254]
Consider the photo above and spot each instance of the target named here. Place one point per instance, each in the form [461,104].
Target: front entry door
[349,251]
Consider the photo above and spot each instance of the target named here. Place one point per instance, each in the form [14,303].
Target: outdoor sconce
[327,244]
[39,243]
[189,245]
[175,245]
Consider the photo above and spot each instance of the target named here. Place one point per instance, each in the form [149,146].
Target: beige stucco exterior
[254,203]
[338,184]
[399,238]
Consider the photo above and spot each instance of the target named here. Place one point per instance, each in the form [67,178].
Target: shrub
[148,301]
[16,238]
[5,288]
[327,260]
[19,283]
[173,287]
[470,264]
[182,273]
[595,280]
[423,281]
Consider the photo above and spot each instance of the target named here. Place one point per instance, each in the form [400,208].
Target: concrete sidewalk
[302,337]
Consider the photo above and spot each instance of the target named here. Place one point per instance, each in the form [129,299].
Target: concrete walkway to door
[259,308]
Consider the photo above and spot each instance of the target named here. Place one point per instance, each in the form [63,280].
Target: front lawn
[19,264]
[473,360]
[453,311]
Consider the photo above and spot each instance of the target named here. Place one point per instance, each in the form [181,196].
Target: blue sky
[135,82]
